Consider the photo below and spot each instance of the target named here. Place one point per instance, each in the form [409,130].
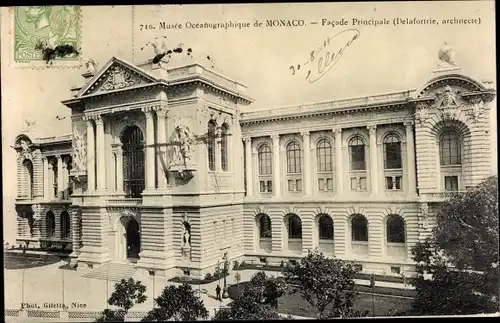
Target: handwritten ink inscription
[323,58]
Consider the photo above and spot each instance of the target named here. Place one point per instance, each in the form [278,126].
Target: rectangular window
[358,157]
[362,183]
[266,186]
[399,181]
[451,183]
[262,186]
[396,270]
[291,185]
[321,184]
[388,183]
[329,184]
[269,186]
[298,185]
[354,183]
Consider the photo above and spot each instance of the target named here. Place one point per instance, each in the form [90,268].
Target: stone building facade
[170,169]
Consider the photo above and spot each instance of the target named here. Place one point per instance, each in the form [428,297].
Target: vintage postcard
[249,161]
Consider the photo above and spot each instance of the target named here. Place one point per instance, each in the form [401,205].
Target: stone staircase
[114,271]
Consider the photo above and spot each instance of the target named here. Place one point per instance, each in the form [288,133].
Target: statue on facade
[79,151]
[90,65]
[182,148]
[446,56]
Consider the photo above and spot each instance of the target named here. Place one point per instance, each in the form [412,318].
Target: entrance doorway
[133,238]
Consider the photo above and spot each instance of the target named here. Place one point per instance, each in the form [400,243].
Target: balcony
[437,196]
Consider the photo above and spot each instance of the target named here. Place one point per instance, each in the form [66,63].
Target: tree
[458,265]
[258,300]
[126,294]
[322,282]
[178,303]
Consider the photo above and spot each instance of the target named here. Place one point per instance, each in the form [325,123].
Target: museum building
[168,169]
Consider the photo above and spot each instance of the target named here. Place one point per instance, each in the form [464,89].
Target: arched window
[133,161]
[65,225]
[265,160]
[392,152]
[450,148]
[28,181]
[265,226]
[50,224]
[359,228]
[224,148]
[294,227]
[325,227]
[324,156]
[211,137]
[293,158]
[357,153]
[395,229]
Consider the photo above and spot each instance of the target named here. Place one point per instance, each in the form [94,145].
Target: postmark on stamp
[51,26]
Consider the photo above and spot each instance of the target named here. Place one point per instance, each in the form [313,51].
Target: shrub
[235,265]
[208,276]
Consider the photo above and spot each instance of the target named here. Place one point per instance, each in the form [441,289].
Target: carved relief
[477,106]
[79,151]
[25,152]
[447,101]
[119,78]
[182,145]
[421,112]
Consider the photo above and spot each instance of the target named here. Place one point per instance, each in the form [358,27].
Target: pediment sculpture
[119,78]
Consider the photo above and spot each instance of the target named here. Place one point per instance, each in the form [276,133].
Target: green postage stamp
[38,27]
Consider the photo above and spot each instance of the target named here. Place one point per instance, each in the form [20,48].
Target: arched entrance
[133,238]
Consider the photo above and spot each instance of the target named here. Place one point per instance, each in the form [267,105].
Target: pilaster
[373,160]
[307,162]
[249,165]
[150,149]
[101,154]
[91,171]
[410,157]
[338,175]
[161,113]
[276,165]
[46,180]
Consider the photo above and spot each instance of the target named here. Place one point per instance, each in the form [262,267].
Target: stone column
[410,156]
[150,149]
[276,165]
[46,180]
[373,159]
[307,162]
[119,168]
[249,165]
[339,178]
[60,177]
[101,153]
[90,156]
[65,181]
[161,113]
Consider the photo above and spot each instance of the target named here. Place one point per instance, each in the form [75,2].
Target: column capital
[372,128]
[275,136]
[305,133]
[58,157]
[337,131]
[98,120]
[408,124]
[247,140]
[148,110]
[161,110]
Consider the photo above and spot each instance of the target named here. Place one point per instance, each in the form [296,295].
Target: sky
[383,59]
